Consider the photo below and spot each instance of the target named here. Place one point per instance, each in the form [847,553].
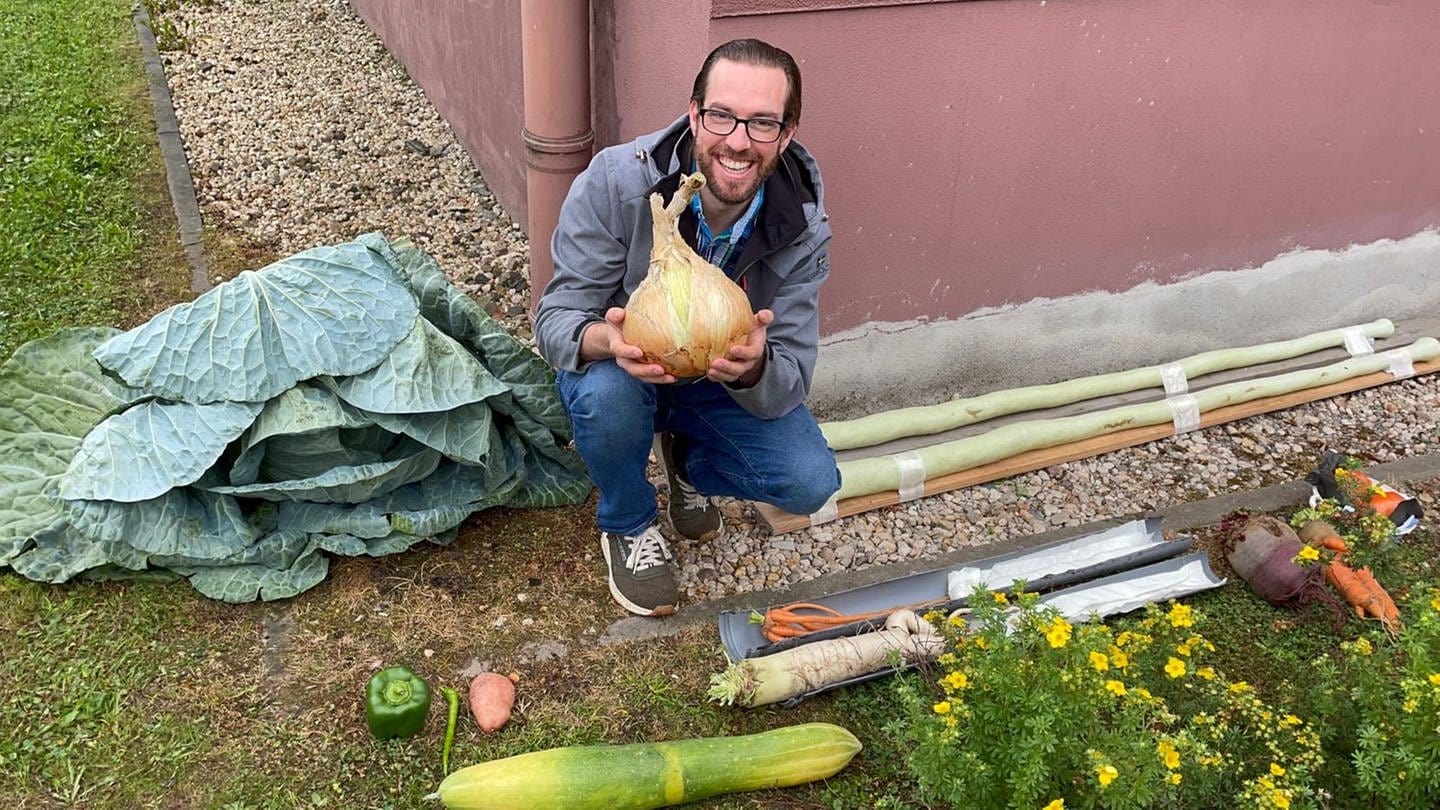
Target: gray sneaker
[642,578]
[692,514]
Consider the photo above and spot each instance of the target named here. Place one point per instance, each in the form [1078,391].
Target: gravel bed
[301,130]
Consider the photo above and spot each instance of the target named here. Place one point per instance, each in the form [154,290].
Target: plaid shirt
[723,250]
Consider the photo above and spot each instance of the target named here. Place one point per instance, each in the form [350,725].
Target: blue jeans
[728,450]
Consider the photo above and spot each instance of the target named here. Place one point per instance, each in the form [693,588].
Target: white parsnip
[925,420]
[882,473]
[800,670]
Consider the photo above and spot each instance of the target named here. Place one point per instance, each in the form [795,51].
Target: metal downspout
[555,46]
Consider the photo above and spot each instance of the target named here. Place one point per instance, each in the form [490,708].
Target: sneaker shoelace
[647,551]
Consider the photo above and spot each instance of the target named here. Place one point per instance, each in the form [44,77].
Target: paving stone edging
[172,150]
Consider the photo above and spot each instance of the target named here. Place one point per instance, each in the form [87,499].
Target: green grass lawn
[78,169]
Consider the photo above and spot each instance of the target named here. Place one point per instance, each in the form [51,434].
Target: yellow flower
[956,620]
[1168,754]
[982,642]
[1058,633]
[1058,804]
[1115,686]
[1276,770]
[1099,660]
[1308,554]
[1208,673]
[956,680]
[1107,775]
[1291,720]
[1363,645]
[1142,692]
[1435,604]
[1124,638]
[945,659]
[1239,686]
[1280,799]
[1183,649]
[1181,615]
[1174,667]
[1410,706]
[1119,658]
[1435,678]
[1175,778]
[943,707]
[1000,598]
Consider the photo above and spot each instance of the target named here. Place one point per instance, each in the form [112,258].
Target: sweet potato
[492,696]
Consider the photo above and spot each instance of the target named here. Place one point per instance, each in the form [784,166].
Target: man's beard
[727,192]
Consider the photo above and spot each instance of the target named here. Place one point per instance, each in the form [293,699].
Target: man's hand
[604,340]
[743,363]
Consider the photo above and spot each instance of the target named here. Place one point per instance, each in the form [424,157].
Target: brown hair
[762,54]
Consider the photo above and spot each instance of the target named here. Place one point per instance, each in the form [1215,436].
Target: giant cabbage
[347,400]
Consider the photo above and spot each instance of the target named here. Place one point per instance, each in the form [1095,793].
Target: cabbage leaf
[348,400]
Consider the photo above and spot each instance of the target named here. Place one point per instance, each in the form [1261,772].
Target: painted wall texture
[466,55]
[988,155]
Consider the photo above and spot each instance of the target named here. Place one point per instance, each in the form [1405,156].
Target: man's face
[734,165]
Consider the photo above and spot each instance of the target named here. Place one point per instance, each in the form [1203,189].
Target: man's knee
[809,485]
[605,390]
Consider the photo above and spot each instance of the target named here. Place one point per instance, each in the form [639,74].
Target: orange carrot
[1343,578]
[1387,612]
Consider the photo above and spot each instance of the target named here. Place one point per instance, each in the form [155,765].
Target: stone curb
[172,151]
[1181,517]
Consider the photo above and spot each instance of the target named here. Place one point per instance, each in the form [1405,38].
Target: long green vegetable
[452,701]
[643,776]
[925,420]
[882,473]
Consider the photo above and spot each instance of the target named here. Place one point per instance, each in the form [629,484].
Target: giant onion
[686,312]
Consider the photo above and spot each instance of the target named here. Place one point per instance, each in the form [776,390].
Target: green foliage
[73,139]
[1366,532]
[1028,710]
[89,712]
[1396,689]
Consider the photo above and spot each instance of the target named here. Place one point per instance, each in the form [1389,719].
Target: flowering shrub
[1025,709]
[1398,743]
[1366,532]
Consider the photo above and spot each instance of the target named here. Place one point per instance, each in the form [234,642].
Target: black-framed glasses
[760,130]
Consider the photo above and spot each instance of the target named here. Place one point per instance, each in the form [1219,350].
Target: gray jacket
[602,244]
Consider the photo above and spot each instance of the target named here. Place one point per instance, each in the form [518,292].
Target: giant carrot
[1358,586]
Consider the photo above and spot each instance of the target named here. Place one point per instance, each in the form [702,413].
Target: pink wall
[466,55]
[991,152]
[987,153]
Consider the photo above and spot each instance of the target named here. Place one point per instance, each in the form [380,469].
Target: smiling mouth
[736,166]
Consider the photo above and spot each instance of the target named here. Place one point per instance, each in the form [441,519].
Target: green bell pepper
[396,703]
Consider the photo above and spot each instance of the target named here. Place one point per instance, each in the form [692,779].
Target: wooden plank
[780,521]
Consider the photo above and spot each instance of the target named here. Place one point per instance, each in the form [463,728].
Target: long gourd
[882,473]
[641,776]
[924,420]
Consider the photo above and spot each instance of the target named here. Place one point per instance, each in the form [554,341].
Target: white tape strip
[1173,375]
[826,513]
[1357,342]
[1402,363]
[912,474]
[1185,410]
